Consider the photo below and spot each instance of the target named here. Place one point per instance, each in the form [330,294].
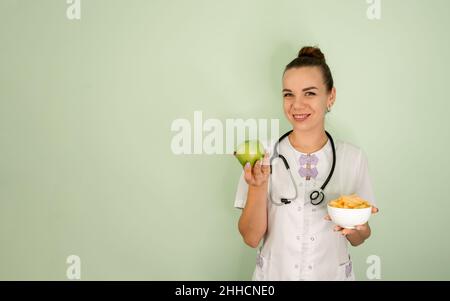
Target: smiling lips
[300,117]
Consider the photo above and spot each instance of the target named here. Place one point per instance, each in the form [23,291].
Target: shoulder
[348,148]
[350,154]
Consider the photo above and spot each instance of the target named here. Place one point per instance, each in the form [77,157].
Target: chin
[302,127]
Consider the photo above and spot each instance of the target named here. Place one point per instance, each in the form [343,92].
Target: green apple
[249,151]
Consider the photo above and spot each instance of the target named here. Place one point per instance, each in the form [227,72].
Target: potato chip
[349,202]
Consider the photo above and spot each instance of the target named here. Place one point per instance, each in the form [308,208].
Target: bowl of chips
[349,211]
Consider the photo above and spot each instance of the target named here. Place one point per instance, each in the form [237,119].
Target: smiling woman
[298,238]
[308,93]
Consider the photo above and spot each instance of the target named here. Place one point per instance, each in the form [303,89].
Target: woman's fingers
[338,228]
[327,217]
[257,169]
[260,171]
[247,172]
[375,210]
[265,167]
[361,227]
[266,159]
[346,232]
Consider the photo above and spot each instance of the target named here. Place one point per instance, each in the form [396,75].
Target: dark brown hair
[310,56]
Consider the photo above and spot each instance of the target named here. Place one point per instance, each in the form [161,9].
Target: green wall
[86,108]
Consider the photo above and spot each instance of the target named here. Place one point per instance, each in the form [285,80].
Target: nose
[299,103]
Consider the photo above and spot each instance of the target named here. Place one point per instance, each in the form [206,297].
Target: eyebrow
[303,90]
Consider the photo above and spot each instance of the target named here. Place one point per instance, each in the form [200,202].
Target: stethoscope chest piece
[317,197]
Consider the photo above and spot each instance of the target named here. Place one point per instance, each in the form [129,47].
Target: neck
[308,142]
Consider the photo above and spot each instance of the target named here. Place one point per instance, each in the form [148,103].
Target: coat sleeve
[241,192]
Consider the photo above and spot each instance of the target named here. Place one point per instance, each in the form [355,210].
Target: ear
[331,97]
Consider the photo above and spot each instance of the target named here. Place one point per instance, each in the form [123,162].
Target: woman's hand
[359,234]
[259,174]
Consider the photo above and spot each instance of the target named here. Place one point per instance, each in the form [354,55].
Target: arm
[253,221]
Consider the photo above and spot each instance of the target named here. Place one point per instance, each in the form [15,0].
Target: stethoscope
[317,196]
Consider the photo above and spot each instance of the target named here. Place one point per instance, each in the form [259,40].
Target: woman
[299,240]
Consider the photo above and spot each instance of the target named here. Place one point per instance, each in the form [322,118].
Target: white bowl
[349,218]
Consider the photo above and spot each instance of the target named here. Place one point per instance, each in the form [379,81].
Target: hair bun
[313,52]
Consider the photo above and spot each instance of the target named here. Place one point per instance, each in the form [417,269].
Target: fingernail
[247,164]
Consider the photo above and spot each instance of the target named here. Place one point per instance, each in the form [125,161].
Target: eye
[310,93]
[287,95]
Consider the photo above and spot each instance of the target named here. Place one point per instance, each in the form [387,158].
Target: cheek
[286,107]
[320,106]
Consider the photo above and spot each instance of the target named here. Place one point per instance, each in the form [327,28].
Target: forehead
[299,78]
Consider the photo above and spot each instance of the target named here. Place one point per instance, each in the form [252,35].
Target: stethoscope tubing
[316,196]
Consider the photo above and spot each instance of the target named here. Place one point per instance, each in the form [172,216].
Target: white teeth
[301,116]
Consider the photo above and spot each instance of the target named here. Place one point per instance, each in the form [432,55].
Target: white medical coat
[299,243]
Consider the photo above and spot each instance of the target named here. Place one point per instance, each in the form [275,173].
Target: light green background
[86,108]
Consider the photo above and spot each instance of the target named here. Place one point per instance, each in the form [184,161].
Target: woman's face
[305,98]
